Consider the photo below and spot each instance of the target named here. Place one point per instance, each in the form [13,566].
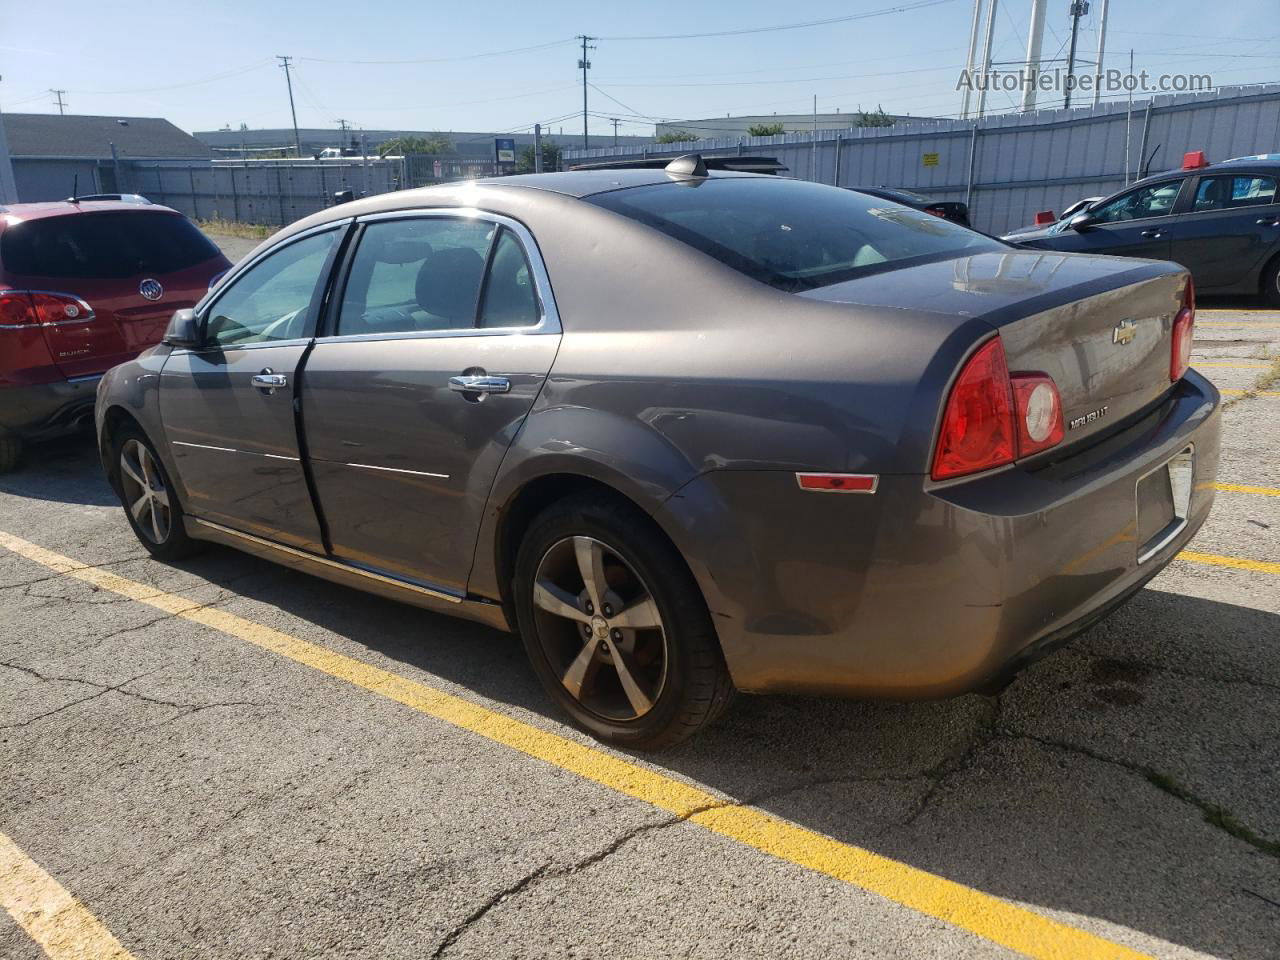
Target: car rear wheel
[1271,284]
[10,453]
[615,626]
[149,500]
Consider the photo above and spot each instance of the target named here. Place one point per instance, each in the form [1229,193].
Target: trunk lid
[1101,327]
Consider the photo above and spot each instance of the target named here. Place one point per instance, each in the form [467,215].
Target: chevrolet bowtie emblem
[1125,331]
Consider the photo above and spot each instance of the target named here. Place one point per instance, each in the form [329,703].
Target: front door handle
[268,381]
[479,384]
[1153,234]
[1270,221]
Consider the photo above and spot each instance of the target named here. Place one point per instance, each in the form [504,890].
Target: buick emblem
[151,289]
[1125,331]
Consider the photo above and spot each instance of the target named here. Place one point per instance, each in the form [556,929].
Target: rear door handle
[484,384]
[268,381]
[1153,234]
[1270,221]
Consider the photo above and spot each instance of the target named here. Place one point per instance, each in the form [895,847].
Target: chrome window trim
[549,319]
[260,345]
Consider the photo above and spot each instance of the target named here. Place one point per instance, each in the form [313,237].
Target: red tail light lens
[34,306]
[1039,412]
[16,308]
[1183,331]
[977,425]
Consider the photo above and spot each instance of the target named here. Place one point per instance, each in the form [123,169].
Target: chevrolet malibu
[685,432]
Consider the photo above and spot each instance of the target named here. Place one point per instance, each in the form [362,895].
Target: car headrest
[448,283]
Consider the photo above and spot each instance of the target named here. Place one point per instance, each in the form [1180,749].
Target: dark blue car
[1220,221]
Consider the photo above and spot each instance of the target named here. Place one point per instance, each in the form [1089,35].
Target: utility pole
[1078,9]
[537,148]
[973,52]
[615,122]
[297,142]
[61,105]
[1035,44]
[986,58]
[584,65]
[343,126]
[1102,49]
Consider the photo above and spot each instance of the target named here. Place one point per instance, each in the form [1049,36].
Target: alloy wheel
[145,495]
[599,628]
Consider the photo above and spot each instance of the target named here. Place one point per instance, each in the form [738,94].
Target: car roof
[1263,163]
[14,213]
[585,183]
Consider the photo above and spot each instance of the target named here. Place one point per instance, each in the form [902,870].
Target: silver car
[686,432]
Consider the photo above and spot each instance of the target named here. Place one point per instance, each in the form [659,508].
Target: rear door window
[107,245]
[1228,193]
[791,234]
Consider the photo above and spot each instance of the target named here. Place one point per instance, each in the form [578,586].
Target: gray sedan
[686,432]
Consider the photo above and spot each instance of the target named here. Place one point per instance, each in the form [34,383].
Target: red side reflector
[839,482]
[1194,160]
[1045,217]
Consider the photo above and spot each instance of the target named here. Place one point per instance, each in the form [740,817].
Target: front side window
[1155,200]
[791,234]
[427,274]
[1226,193]
[271,300]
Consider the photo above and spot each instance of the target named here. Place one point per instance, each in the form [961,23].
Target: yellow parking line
[1246,488]
[1252,393]
[51,916]
[979,913]
[1232,366]
[1236,563]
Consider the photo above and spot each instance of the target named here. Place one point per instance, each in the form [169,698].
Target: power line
[902,8]
[469,56]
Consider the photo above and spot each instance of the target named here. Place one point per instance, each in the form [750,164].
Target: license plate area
[1163,501]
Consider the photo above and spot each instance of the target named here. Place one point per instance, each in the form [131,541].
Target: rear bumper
[47,409]
[915,592]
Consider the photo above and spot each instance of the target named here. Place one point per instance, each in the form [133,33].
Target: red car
[85,285]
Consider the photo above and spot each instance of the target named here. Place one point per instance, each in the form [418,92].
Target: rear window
[107,245]
[791,234]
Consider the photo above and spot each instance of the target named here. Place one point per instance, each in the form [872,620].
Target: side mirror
[1083,221]
[183,330]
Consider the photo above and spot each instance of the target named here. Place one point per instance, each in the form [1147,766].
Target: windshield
[111,245]
[791,234]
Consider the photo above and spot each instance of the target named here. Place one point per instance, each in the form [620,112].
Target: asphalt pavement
[223,758]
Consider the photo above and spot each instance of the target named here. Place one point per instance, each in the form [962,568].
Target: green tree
[766,129]
[550,158]
[435,143]
[676,136]
[878,118]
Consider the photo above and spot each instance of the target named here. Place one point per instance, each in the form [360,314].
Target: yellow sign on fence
[930,159]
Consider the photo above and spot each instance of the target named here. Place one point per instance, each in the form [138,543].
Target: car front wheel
[149,500]
[616,627]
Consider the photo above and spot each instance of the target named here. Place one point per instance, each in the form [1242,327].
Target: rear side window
[791,234]
[427,274]
[110,245]
[1227,193]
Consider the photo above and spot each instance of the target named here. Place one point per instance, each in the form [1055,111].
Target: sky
[503,66]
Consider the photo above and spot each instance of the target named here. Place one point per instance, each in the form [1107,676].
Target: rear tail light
[1038,412]
[1183,330]
[992,418]
[977,425]
[32,307]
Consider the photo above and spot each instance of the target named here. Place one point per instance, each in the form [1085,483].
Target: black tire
[695,687]
[160,529]
[10,453]
[1271,284]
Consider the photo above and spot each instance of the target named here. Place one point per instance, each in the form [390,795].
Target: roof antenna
[75,188]
[690,165]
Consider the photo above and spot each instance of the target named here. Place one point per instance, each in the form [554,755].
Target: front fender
[133,388]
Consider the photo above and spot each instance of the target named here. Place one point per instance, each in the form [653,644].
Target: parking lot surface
[223,758]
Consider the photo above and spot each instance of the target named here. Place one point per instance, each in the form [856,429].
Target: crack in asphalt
[78,567]
[101,689]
